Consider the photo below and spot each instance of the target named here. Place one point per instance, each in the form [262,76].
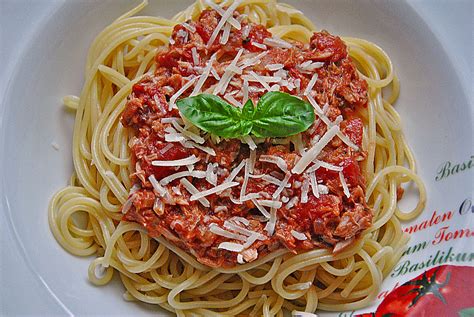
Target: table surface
[20,18]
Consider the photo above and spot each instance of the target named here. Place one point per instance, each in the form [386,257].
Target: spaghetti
[157,271]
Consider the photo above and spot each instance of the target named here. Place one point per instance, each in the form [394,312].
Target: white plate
[435,110]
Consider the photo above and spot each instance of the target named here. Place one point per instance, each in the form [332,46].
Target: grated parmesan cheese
[231,246]
[270,203]
[225,34]
[231,225]
[276,42]
[225,17]
[166,148]
[231,20]
[262,209]
[249,141]
[182,162]
[214,228]
[344,185]
[172,103]
[235,171]
[314,184]
[206,149]
[195,56]
[293,201]
[189,27]
[298,235]
[259,45]
[219,188]
[270,226]
[274,67]
[282,186]
[313,152]
[168,179]
[204,76]
[211,175]
[304,191]
[156,186]
[232,100]
[193,190]
[275,160]
[311,84]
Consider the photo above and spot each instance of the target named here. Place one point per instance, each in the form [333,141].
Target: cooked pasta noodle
[85,217]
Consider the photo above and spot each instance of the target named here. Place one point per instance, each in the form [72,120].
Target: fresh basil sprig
[277,114]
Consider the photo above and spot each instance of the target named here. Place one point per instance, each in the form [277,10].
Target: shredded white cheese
[311,84]
[168,179]
[270,226]
[225,34]
[225,17]
[262,209]
[275,160]
[254,77]
[214,190]
[282,186]
[193,190]
[231,246]
[189,27]
[166,148]
[259,45]
[211,175]
[248,139]
[182,162]
[233,101]
[228,74]
[344,185]
[304,191]
[276,42]
[230,225]
[251,240]
[252,159]
[293,201]
[274,67]
[235,172]
[185,87]
[243,190]
[231,20]
[298,235]
[214,228]
[193,136]
[313,152]
[206,149]
[204,76]
[270,203]
[195,56]
[314,184]
[156,186]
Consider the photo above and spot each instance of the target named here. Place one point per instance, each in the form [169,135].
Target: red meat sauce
[325,221]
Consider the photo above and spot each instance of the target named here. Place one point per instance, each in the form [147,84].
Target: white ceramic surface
[436,112]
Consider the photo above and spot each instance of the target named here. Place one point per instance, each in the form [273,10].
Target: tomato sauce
[325,221]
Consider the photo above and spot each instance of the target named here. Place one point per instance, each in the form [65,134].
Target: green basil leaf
[281,115]
[212,114]
[248,110]
[276,115]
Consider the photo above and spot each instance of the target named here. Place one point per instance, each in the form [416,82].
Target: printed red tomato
[441,291]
